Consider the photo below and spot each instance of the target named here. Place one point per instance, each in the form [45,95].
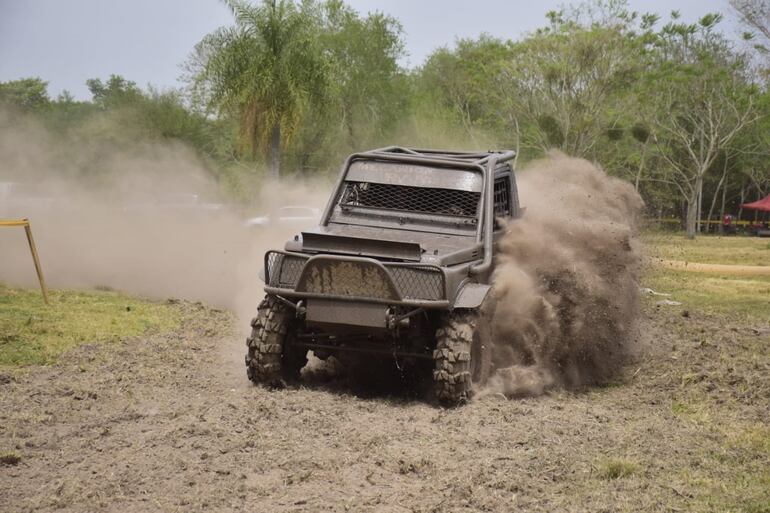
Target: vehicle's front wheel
[271,358]
[462,358]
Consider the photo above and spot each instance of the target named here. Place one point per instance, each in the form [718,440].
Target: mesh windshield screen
[421,200]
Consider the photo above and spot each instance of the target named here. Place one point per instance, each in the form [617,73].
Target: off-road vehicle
[399,265]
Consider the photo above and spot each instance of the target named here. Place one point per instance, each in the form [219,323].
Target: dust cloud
[143,218]
[564,300]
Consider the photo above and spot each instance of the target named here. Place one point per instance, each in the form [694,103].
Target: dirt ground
[170,423]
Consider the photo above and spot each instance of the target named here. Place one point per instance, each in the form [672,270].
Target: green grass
[734,475]
[745,450]
[614,468]
[755,438]
[709,249]
[33,333]
[744,297]
[9,458]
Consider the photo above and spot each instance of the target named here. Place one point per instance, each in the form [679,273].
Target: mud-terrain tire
[271,360]
[458,342]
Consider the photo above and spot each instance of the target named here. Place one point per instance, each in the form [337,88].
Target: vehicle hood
[405,245]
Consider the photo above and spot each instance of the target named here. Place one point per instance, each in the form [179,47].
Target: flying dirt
[565,295]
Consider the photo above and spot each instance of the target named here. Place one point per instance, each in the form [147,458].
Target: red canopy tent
[763,204]
[758,227]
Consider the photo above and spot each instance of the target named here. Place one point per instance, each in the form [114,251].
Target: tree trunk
[716,195]
[743,196]
[692,216]
[641,168]
[692,207]
[700,205]
[275,152]
[722,210]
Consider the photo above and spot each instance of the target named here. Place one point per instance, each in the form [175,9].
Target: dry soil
[170,423]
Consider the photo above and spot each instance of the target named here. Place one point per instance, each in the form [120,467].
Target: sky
[68,42]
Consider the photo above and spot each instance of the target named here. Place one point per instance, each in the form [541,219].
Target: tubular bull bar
[349,278]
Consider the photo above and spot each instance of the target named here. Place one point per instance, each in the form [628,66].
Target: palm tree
[265,71]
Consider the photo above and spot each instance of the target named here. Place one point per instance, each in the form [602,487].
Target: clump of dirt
[565,296]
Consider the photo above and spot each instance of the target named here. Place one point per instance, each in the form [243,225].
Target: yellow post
[32,248]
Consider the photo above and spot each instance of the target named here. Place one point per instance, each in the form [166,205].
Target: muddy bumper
[330,279]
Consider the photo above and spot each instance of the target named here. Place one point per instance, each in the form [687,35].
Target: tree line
[674,106]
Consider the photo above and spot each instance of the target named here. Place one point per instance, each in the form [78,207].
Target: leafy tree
[702,103]
[26,93]
[561,87]
[752,154]
[564,82]
[264,71]
[462,80]
[367,95]
[115,92]
[366,77]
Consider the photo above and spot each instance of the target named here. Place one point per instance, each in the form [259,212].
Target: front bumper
[346,278]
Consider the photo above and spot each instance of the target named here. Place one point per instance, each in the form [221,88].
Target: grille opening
[405,198]
[502,198]
[411,281]
[283,270]
[418,282]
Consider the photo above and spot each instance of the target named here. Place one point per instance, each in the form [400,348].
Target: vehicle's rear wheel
[271,358]
[463,358]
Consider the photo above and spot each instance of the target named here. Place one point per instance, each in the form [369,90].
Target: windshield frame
[443,223]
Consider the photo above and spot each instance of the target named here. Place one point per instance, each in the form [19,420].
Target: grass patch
[733,473]
[33,333]
[762,506]
[744,297]
[614,468]
[9,458]
[709,249]
[754,438]
[692,411]
[747,297]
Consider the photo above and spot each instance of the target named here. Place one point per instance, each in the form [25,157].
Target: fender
[471,295]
